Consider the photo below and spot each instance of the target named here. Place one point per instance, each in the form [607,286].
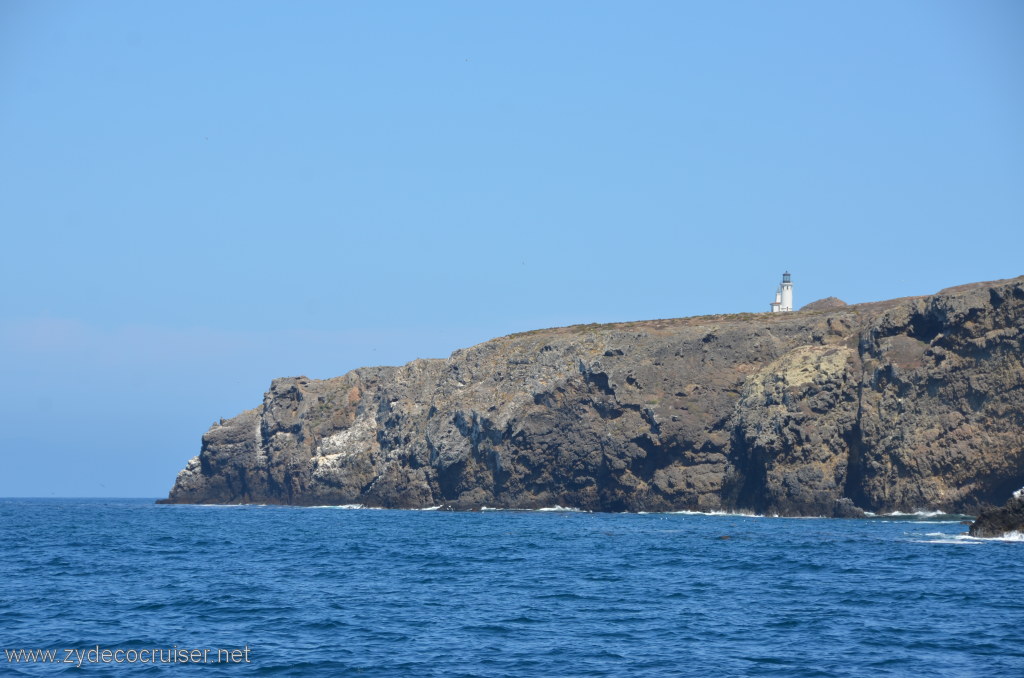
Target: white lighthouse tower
[783,295]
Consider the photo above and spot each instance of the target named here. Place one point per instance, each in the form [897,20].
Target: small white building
[783,295]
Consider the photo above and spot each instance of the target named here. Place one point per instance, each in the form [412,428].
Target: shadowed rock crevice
[744,487]
[902,405]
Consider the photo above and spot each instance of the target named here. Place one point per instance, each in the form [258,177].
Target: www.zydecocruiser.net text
[101,655]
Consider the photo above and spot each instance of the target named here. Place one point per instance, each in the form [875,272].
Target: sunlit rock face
[903,405]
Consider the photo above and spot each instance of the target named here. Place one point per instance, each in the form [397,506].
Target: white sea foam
[914,514]
[946,541]
[1013,535]
[430,508]
[965,538]
[921,517]
[951,540]
[210,506]
[345,507]
[546,509]
[717,513]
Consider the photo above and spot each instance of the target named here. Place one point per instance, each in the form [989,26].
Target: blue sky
[197,197]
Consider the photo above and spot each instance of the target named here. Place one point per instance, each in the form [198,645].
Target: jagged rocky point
[902,405]
[1005,521]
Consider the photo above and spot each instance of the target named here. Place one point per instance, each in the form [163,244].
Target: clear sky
[197,197]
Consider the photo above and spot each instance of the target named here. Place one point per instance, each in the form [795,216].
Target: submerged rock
[999,522]
[903,405]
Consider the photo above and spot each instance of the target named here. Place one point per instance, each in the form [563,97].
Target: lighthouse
[783,295]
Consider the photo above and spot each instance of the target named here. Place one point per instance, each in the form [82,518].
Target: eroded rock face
[1003,521]
[903,405]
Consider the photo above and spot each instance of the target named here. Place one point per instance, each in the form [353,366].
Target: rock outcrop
[826,304]
[1001,522]
[910,404]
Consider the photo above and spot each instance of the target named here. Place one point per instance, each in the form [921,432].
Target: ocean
[284,591]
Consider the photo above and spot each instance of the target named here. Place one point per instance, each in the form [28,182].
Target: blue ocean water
[340,592]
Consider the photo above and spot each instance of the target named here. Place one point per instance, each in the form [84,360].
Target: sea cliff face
[903,405]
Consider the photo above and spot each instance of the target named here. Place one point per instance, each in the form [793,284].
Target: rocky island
[902,405]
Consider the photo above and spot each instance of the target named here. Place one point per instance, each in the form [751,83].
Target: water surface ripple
[337,592]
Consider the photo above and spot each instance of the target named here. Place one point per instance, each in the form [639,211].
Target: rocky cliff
[915,403]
